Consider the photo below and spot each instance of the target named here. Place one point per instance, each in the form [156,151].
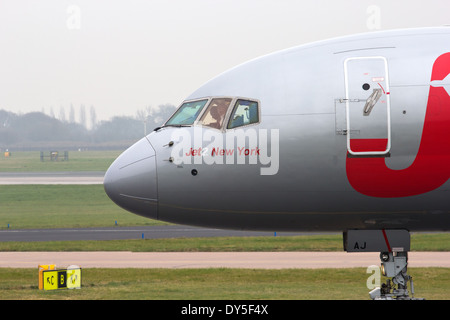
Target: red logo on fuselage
[431,167]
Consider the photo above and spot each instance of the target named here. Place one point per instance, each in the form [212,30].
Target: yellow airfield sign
[73,278]
[62,279]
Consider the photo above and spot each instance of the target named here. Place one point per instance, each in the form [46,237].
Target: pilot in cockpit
[218,112]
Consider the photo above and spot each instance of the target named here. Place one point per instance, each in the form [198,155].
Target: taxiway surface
[256,260]
[121,233]
[59,177]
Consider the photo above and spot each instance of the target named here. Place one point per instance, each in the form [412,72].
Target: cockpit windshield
[214,116]
[187,113]
[220,113]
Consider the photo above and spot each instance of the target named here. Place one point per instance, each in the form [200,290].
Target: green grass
[214,244]
[223,284]
[419,242]
[78,161]
[62,206]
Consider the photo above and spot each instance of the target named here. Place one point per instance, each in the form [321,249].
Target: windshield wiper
[172,125]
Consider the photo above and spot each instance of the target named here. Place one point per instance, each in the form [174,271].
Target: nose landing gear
[393,246]
[394,265]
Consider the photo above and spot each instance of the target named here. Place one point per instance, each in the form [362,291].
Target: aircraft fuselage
[349,133]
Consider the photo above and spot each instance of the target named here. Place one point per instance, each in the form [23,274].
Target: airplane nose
[130,181]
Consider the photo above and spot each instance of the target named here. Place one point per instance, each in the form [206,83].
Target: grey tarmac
[58,177]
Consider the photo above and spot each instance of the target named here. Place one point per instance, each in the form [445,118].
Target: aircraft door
[367,106]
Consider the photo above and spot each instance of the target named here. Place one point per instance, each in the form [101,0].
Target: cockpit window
[187,113]
[214,116]
[218,113]
[245,112]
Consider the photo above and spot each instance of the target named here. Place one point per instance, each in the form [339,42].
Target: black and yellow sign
[73,280]
[61,279]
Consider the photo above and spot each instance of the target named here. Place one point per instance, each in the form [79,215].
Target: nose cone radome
[131,180]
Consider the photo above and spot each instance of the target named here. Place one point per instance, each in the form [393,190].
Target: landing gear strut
[394,265]
[394,246]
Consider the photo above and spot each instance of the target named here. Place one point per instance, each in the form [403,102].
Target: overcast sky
[121,56]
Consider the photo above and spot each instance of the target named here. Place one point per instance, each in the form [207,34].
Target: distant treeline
[36,130]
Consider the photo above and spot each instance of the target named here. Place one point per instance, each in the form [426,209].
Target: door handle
[371,101]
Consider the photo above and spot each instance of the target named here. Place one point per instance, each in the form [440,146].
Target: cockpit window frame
[231,109]
[235,105]
[207,109]
[190,101]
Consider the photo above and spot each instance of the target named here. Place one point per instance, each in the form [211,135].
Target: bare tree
[93,118]
[153,117]
[52,113]
[62,114]
[83,115]
[143,115]
[72,114]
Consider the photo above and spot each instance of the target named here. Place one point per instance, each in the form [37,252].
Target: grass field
[62,206]
[223,284]
[419,242]
[30,161]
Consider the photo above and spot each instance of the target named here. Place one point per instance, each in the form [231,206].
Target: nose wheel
[393,246]
[394,265]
